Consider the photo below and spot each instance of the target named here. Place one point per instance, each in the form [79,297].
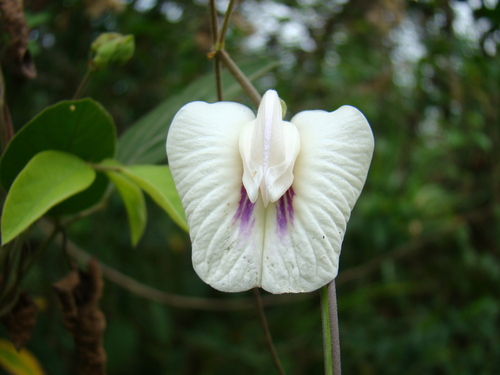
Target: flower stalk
[330,324]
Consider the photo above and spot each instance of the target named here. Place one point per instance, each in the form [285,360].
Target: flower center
[268,148]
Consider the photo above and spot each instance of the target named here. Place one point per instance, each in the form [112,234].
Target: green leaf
[158,183]
[144,142]
[84,199]
[135,204]
[49,178]
[18,362]
[79,127]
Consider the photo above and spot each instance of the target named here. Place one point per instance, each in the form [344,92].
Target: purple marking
[284,211]
[289,197]
[244,213]
[281,214]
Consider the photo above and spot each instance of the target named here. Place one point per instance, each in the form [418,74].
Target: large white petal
[305,228]
[226,229]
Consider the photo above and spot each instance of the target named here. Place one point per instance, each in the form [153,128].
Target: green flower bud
[112,48]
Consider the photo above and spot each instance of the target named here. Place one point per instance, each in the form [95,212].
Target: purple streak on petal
[285,212]
[281,214]
[247,211]
[241,204]
[244,213]
[289,198]
[247,230]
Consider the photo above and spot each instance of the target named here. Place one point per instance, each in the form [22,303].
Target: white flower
[267,201]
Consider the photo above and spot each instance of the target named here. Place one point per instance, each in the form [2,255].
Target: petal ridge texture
[254,226]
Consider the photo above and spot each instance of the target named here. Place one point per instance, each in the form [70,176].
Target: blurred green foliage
[419,282]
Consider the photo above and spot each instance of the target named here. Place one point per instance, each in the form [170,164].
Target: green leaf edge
[136,213]
[21,362]
[156,195]
[26,127]
[19,182]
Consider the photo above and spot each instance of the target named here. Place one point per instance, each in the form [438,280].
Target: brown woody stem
[245,83]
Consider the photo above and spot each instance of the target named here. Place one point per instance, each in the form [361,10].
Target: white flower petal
[226,229]
[293,245]
[280,177]
[252,170]
[268,148]
[305,228]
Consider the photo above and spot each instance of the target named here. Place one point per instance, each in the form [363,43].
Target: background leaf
[49,178]
[18,362]
[79,127]
[134,204]
[158,183]
[144,142]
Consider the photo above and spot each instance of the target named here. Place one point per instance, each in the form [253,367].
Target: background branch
[267,332]
[214,26]
[174,300]
[210,304]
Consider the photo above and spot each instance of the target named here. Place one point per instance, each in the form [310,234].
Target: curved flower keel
[267,201]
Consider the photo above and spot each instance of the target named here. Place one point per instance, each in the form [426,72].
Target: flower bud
[110,48]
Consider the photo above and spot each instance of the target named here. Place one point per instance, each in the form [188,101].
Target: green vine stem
[13,261]
[41,249]
[330,324]
[213,23]
[10,261]
[221,55]
[325,324]
[15,266]
[83,83]
[225,24]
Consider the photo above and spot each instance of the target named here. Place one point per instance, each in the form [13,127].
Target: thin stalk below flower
[330,324]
